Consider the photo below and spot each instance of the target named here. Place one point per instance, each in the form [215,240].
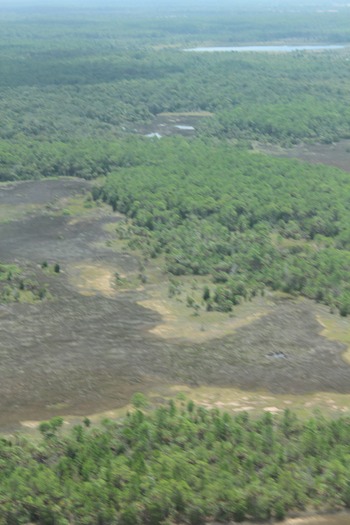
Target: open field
[336,154]
[101,337]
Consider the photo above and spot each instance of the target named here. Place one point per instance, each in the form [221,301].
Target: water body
[185,128]
[268,49]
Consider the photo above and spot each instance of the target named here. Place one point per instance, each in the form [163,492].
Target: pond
[271,48]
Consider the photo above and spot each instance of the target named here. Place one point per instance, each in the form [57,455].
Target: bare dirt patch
[84,354]
[336,328]
[235,400]
[341,518]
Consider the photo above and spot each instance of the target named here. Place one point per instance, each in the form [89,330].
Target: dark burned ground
[81,354]
[336,154]
[282,352]
[39,192]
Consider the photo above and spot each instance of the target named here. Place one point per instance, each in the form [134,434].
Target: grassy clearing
[230,400]
[21,285]
[336,328]
[80,205]
[7,271]
[235,400]
[193,322]
[335,154]
[91,279]
[30,427]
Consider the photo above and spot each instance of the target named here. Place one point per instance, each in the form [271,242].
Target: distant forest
[78,85]
[178,464]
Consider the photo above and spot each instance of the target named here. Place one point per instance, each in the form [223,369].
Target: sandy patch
[92,279]
[176,324]
[30,424]
[273,410]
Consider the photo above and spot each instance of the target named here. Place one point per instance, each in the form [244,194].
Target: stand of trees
[178,464]
[247,220]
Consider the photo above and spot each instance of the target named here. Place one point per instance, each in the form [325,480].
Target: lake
[269,49]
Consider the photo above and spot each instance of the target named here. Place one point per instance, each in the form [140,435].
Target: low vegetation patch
[19,285]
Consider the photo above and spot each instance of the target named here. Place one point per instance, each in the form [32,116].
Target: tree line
[180,463]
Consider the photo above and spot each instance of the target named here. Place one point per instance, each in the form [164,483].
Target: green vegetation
[70,104]
[71,84]
[176,465]
[19,285]
[247,220]
[65,128]
[78,88]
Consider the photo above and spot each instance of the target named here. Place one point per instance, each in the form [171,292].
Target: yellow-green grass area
[7,271]
[50,268]
[184,312]
[28,297]
[91,278]
[16,295]
[233,400]
[78,207]
[284,242]
[20,286]
[31,427]
[8,291]
[9,213]
[336,328]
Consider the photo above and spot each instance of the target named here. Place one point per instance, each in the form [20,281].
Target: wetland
[95,342]
[174,313]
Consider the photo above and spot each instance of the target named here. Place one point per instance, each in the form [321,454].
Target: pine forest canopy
[247,220]
[181,464]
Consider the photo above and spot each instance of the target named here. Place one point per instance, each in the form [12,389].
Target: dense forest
[75,97]
[253,96]
[180,464]
[100,74]
[247,220]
